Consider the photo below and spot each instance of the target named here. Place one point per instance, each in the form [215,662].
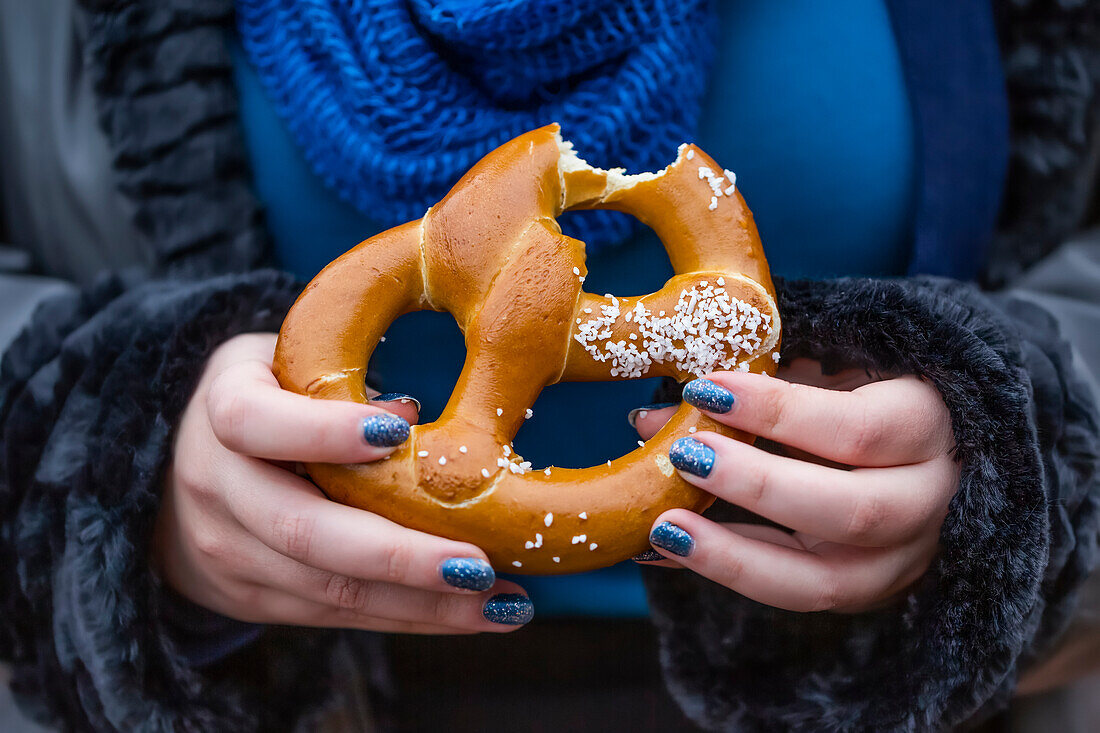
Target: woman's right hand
[241,534]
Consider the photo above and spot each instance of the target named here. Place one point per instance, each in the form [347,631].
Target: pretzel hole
[582,424]
[635,268]
[422,356]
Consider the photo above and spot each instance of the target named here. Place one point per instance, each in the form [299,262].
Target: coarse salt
[732,178]
[709,331]
[548,519]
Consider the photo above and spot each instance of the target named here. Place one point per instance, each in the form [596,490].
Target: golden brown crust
[491,254]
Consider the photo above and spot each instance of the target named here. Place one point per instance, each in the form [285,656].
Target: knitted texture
[393,100]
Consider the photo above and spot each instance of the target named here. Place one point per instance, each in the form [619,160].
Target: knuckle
[229,411]
[868,517]
[294,534]
[397,560]
[210,543]
[344,592]
[733,569]
[756,478]
[861,434]
[773,407]
[191,477]
[828,597]
[445,608]
[318,437]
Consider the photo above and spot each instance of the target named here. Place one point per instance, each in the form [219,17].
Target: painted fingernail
[708,396]
[633,415]
[511,609]
[676,540]
[385,431]
[693,456]
[470,573]
[397,397]
[648,556]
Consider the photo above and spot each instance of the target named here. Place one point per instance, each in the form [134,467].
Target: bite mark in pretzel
[491,254]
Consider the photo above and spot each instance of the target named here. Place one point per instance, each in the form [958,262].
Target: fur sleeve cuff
[89,397]
[1019,538]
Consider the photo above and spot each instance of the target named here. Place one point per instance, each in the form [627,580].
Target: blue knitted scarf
[392,100]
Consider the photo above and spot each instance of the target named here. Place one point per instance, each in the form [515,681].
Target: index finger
[889,423]
[252,415]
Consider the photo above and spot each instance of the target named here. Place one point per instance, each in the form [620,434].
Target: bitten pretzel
[492,255]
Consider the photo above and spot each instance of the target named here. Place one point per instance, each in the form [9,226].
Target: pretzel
[492,255]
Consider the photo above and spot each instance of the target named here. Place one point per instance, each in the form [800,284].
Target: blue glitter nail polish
[470,573]
[648,556]
[676,540]
[511,609]
[632,416]
[385,431]
[395,397]
[693,456]
[708,396]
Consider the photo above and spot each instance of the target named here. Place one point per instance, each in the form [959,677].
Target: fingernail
[676,540]
[637,412]
[708,396]
[511,609]
[693,456]
[385,431]
[648,556]
[470,573]
[395,397]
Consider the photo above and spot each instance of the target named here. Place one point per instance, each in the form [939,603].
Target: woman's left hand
[865,520]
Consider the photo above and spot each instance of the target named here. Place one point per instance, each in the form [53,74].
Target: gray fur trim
[1020,537]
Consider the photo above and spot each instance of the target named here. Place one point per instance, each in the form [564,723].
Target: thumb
[648,419]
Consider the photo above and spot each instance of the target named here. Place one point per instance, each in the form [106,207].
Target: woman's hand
[861,535]
[241,534]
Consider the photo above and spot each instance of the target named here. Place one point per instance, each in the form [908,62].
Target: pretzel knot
[492,255]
